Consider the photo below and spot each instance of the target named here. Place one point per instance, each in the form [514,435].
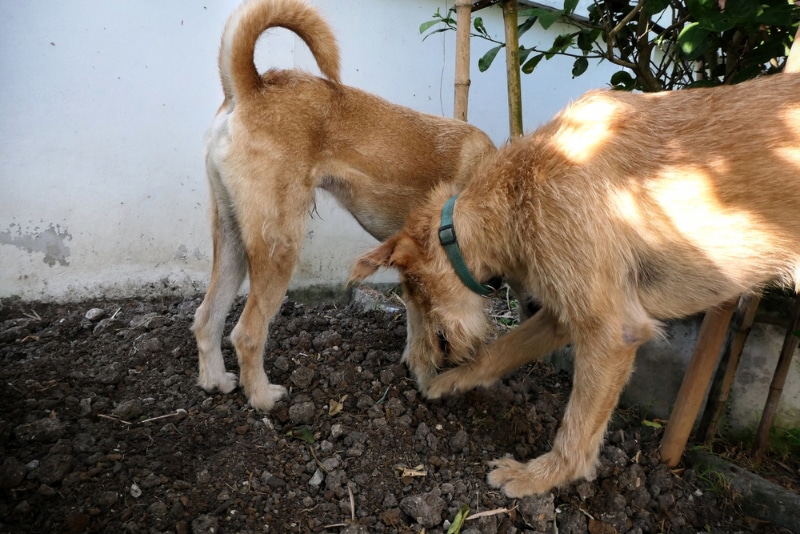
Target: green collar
[447,237]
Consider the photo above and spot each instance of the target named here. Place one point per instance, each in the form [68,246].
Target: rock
[539,511]
[302,412]
[12,473]
[110,374]
[426,509]
[205,524]
[317,479]
[128,410]
[458,441]
[45,430]
[95,314]
[302,377]
[54,468]
[84,443]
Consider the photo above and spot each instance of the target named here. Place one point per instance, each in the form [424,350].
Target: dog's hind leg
[531,340]
[273,221]
[227,273]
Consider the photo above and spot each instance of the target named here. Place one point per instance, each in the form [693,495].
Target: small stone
[12,473]
[136,491]
[45,430]
[95,314]
[54,468]
[302,412]
[317,479]
[426,509]
[459,441]
[302,377]
[128,410]
[203,477]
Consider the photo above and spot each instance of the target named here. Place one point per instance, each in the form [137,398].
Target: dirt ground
[103,429]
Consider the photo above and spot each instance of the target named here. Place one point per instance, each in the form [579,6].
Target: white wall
[103,107]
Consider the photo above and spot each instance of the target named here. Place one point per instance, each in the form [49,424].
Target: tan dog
[625,210]
[276,138]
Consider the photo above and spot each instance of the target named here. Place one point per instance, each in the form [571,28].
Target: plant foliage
[658,44]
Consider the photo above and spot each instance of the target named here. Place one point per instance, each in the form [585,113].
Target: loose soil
[103,429]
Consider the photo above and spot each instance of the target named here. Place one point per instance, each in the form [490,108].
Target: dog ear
[397,252]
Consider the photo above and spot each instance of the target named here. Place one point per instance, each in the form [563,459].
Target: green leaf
[693,40]
[525,26]
[479,27]
[622,80]
[486,61]
[547,17]
[425,26]
[796,333]
[434,32]
[580,66]
[458,522]
[569,6]
[560,43]
[529,65]
[780,15]
[524,53]
[652,7]
[586,39]
[302,433]
[651,424]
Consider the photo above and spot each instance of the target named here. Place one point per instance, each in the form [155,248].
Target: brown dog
[625,210]
[276,138]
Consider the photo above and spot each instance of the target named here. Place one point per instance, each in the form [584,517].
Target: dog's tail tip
[252,18]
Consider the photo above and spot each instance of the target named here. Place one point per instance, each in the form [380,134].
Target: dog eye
[444,345]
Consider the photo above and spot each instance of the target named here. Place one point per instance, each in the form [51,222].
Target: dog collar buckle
[447,237]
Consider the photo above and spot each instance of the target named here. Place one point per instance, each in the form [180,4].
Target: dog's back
[700,181]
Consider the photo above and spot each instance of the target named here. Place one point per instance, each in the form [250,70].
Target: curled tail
[252,18]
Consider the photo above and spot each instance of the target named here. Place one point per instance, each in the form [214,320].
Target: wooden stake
[790,342]
[695,381]
[510,9]
[462,82]
[729,362]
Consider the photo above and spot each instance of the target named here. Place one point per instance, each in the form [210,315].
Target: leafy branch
[659,44]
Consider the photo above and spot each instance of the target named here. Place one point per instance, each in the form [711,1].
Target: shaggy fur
[276,138]
[625,210]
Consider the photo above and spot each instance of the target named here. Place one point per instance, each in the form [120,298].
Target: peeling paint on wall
[50,242]
[183,254]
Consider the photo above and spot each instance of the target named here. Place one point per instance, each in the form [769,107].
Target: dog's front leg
[532,340]
[600,374]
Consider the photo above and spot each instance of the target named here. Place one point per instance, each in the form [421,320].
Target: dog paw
[518,479]
[224,383]
[265,396]
[452,382]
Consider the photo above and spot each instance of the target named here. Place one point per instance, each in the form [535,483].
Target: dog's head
[446,321]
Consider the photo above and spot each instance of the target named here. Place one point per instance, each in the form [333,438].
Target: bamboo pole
[462,82]
[790,342]
[723,379]
[510,9]
[695,381]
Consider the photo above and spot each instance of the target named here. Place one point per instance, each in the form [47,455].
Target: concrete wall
[104,106]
